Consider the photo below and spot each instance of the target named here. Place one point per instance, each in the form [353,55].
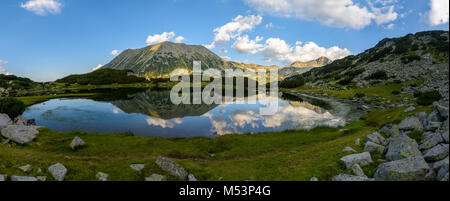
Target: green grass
[289,155]
[31,100]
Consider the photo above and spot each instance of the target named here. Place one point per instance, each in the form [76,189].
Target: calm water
[152,114]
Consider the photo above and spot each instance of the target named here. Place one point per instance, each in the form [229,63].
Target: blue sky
[48,39]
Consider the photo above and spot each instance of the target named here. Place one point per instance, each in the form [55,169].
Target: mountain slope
[321,61]
[161,59]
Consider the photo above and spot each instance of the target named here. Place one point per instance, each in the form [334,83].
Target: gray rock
[20,120]
[443,173]
[191,177]
[357,170]
[402,147]
[349,149]
[422,117]
[3,177]
[21,178]
[76,143]
[20,134]
[436,153]
[58,171]
[441,110]
[41,178]
[26,168]
[358,142]
[172,168]
[4,120]
[411,123]
[444,131]
[155,177]
[101,176]
[373,148]
[346,177]
[433,126]
[137,167]
[410,109]
[408,169]
[375,138]
[394,131]
[362,159]
[429,140]
[314,179]
[439,164]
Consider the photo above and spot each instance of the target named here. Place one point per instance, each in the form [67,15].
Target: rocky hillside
[161,59]
[321,61]
[422,57]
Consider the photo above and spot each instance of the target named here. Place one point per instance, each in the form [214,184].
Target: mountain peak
[319,62]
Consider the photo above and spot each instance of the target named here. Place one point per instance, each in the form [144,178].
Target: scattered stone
[408,169]
[443,173]
[172,168]
[58,171]
[402,147]
[20,120]
[436,153]
[375,138]
[346,177]
[41,178]
[410,109]
[26,168]
[5,120]
[362,159]
[314,179]
[137,167]
[20,134]
[76,143]
[430,140]
[357,170]
[373,148]
[155,177]
[21,178]
[358,142]
[411,123]
[348,149]
[191,177]
[441,110]
[101,176]
[444,131]
[3,177]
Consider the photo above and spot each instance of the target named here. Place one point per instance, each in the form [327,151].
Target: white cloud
[439,12]
[223,50]
[98,67]
[115,52]
[334,13]
[269,26]
[279,50]
[390,26]
[226,58]
[244,45]
[165,36]
[42,7]
[179,39]
[2,69]
[231,30]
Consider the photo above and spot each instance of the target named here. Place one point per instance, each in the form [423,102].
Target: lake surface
[151,113]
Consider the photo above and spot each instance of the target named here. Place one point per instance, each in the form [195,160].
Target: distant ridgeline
[392,58]
[13,82]
[158,61]
[103,76]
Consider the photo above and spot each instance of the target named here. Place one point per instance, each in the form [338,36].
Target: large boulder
[411,123]
[172,168]
[436,153]
[357,170]
[443,173]
[375,138]
[408,169]
[21,178]
[20,120]
[444,131]
[361,159]
[374,148]
[422,117]
[346,177]
[20,134]
[439,164]
[5,120]
[402,147]
[76,143]
[58,171]
[430,139]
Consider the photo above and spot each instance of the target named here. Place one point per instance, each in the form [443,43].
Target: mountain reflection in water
[151,113]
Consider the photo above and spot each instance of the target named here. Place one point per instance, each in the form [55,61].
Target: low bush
[428,98]
[12,107]
[379,75]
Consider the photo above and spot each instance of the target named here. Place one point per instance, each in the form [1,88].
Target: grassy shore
[281,156]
